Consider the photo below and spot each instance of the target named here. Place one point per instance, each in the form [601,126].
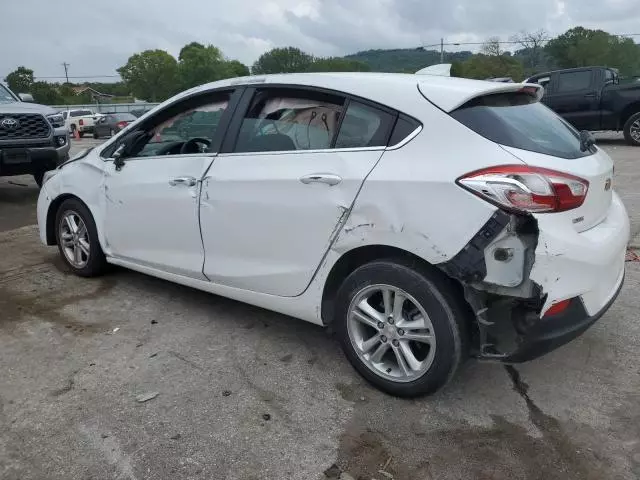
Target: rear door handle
[326,178]
[185,181]
[591,95]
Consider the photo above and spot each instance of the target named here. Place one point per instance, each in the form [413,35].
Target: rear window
[124,117]
[517,120]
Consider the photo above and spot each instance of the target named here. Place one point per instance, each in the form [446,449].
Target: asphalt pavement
[130,377]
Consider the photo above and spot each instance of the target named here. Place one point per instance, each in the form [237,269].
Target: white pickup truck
[80,120]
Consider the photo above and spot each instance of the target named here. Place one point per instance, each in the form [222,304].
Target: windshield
[517,120]
[6,96]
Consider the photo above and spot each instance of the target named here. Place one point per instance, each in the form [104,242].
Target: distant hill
[407,60]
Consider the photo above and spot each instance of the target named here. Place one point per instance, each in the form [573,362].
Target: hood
[24,107]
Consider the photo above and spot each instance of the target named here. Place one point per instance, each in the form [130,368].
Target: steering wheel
[186,146]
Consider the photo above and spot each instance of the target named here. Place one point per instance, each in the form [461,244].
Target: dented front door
[268,218]
[151,212]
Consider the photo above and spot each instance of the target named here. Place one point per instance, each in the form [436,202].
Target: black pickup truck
[593,98]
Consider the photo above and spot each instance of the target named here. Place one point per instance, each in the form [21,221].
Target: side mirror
[131,145]
[26,97]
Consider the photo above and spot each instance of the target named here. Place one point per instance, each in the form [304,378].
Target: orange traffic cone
[76,134]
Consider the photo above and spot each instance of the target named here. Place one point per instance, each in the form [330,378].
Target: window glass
[404,127]
[284,123]
[572,81]
[518,120]
[364,126]
[5,95]
[199,121]
[64,115]
[608,76]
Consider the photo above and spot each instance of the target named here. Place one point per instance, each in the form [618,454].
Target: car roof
[446,93]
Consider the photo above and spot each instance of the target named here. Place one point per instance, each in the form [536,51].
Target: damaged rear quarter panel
[411,201]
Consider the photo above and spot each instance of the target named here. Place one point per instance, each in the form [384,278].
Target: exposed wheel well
[627,112]
[51,216]
[362,255]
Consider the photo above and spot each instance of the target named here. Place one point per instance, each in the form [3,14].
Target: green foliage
[581,47]
[199,64]
[337,64]
[151,75]
[237,69]
[282,60]
[408,60]
[487,66]
[20,80]
[46,93]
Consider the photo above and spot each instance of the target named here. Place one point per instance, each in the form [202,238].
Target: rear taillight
[122,124]
[527,189]
[557,308]
[81,122]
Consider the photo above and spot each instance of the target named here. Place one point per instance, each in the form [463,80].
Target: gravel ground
[243,393]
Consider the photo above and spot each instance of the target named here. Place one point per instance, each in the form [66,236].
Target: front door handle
[326,178]
[591,95]
[185,181]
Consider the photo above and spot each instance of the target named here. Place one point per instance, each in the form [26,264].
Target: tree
[492,46]
[489,66]
[337,64]
[46,93]
[199,64]
[151,75]
[237,69]
[282,60]
[581,47]
[20,80]
[533,44]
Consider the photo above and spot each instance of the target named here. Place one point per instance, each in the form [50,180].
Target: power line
[78,76]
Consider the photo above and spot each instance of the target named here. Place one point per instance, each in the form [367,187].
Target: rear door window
[517,120]
[574,81]
[364,126]
[289,119]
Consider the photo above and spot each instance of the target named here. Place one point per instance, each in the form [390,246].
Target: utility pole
[442,50]
[66,70]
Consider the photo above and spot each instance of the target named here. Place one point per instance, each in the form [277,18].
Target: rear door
[272,201]
[575,97]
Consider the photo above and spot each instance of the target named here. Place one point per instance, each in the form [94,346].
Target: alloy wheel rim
[635,130]
[391,333]
[74,239]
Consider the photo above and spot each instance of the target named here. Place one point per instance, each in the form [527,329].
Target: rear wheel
[403,329]
[95,135]
[632,130]
[77,239]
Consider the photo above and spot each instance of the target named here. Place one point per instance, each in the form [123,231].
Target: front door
[152,202]
[270,207]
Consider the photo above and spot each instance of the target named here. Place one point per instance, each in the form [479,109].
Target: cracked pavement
[249,394]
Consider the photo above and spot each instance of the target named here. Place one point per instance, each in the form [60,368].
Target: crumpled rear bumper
[553,331]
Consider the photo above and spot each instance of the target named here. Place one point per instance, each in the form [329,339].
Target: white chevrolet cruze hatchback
[427,219]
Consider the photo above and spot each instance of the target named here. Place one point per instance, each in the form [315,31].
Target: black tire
[38,177]
[80,134]
[440,300]
[95,135]
[73,128]
[635,118]
[96,263]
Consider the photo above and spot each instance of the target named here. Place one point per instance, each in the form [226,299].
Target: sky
[97,37]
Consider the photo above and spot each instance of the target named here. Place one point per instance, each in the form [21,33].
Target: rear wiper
[587,140]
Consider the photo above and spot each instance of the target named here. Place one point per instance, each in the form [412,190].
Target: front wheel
[77,239]
[632,130]
[403,329]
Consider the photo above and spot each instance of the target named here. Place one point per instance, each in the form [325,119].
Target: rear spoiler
[440,70]
[451,93]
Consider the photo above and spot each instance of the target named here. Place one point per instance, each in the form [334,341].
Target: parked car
[592,98]
[80,120]
[425,218]
[32,137]
[109,125]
